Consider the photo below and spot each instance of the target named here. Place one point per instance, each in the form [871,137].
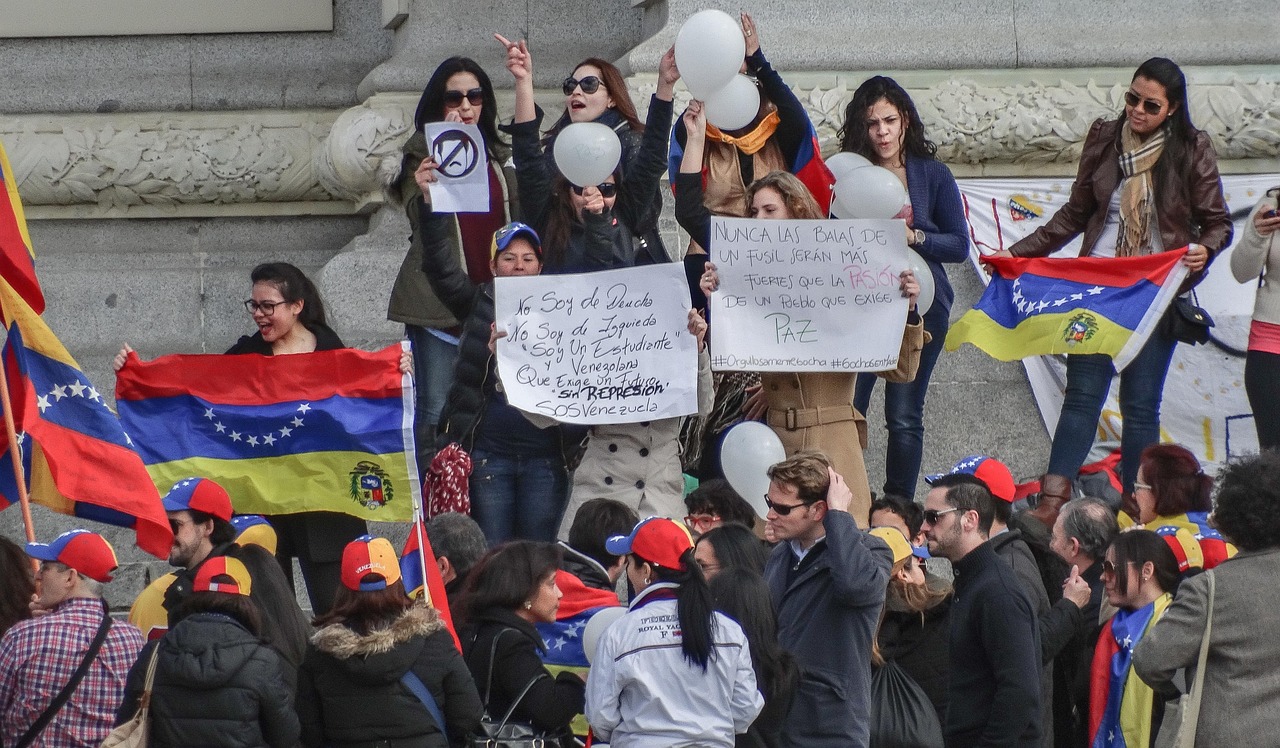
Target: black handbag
[1186,322]
[901,714]
[504,733]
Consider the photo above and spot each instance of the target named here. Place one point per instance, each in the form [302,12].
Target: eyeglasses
[1142,486]
[700,521]
[453,99]
[1109,567]
[783,510]
[266,307]
[608,189]
[931,516]
[590,85]
[1150,106]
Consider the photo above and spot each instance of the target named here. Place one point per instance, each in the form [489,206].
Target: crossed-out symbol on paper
[456,153]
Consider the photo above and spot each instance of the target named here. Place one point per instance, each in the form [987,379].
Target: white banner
[605,347]
[462,168]
[1204,406]
[807,295]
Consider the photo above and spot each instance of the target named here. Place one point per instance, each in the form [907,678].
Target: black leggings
[1262,384]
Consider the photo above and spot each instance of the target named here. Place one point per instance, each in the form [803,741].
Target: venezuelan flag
[417,556]
[1041,306]
[77,458]
[17,258]
[1120,703]
[325,431]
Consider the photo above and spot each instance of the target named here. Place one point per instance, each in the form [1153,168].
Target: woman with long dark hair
[729,546]
[373,641]
[459,91]
[672,669]
[743,595]
[1147,182]
[881,124]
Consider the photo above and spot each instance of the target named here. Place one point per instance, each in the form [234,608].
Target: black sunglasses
[453,99]
[1150,106]
[608,189]
[782,510]
[590,85]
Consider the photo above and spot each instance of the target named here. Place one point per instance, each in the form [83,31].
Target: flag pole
[16,456]
[420,529]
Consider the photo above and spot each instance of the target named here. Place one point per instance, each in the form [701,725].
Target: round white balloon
[596,626]
[925,277]
[709,51]
[735,105]
[870,192]
[844,162]
[587,153]
[748,449]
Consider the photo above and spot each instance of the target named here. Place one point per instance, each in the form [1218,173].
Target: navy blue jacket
[939,213]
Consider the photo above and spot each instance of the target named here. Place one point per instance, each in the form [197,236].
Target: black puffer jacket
[350,694]
[918,643]
[216,684]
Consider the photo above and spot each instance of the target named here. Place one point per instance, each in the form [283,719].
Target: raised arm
[860,563]
[691,213]
[793,119]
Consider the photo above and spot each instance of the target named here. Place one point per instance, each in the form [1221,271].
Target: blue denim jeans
[514,497]
[904,412]
[1141,388]
[433,361]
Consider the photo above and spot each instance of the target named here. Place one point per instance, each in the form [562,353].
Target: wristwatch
[918,237]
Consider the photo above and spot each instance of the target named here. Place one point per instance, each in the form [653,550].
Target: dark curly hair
[1247,510]
[853,133]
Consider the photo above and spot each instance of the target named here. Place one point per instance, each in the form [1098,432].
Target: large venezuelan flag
[1041,306]
[325,431]
[17,258]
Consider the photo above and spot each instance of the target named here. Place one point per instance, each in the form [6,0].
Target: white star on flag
[304,408]
[208,413]
[221,429]
[296,421]
[77,389]
[58,392]
[285,431]
[268,439]
[93,394]
[235,436]
[1095,290]
[43,403]
[253,441]
[1077,297]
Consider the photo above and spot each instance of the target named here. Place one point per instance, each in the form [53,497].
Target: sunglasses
[1109,567]
[933,515]
[453,99]
[590,84]
[608,189]
[1150,106]
[782,510]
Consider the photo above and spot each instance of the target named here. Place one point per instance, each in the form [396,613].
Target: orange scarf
[752,141]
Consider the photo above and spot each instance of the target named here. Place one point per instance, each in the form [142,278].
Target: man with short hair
[827,579]
[995,689]
[714,503]
[38,657]
[458,543]
[1081,533]
[585,555]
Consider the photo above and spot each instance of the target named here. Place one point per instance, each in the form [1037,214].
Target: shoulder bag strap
[524,692]
[493,652]
[1191,714]
[144,704]
[419,689]
[65,694]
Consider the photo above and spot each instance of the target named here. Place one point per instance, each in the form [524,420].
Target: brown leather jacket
[1204,221]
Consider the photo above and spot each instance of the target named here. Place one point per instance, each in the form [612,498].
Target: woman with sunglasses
[1140,576]
[881,124]
[595,92]
[1255,259]
[458,91]
[793,398]
[1147,182]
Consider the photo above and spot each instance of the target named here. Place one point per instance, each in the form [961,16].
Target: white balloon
[735,105]
[709,51]
[587,153]
[925,277]
[870,192]
[748,449]
[844,162]
[596,626]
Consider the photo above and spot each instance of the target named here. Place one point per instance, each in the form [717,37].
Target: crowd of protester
[978,616]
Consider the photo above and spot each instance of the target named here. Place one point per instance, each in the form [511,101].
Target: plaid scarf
[1137,197]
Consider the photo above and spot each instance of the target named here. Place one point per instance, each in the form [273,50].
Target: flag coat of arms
[323,431]
[1042,306]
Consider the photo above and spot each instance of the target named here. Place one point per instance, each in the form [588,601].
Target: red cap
[223,574]
[992,472]
[657,540]
[201,495]
[369,555]
[87,552]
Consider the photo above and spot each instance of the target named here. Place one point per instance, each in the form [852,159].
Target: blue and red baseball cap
[223,574]
[254,529]
[369,555]
[87,552]
[657,540]
[503,237]
[992,472]
[200,495]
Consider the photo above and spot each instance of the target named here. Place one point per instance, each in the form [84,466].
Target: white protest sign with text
[605,347]
[818,295]
[462,168]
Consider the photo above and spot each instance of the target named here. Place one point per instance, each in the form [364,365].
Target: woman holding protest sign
[808,410]
[458,91]
[1147,182]
[881,124]
[596,92]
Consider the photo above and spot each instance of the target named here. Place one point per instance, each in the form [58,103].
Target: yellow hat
[897,542]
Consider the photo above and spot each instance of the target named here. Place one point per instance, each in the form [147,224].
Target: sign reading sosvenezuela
[325,431]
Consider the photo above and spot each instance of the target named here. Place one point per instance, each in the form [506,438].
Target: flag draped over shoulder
[1120,703]
[1040,306]
[77,458]
[579,604]
[416,557]
[17,258]
[324,431]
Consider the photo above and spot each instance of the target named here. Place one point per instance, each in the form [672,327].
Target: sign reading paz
[462,168]
[807,295]
[605,347]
